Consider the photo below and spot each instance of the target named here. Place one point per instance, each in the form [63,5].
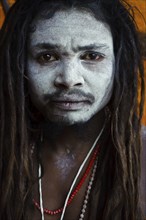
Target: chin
[68,121]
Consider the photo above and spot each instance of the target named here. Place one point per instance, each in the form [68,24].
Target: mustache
[74,93]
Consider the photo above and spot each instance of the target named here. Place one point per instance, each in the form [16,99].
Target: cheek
[102,87]
[40,81]
[101,78]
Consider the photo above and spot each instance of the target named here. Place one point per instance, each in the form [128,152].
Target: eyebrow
[91,47]
[50,46]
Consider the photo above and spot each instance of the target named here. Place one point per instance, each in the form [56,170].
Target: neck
[60,138]
[63,151]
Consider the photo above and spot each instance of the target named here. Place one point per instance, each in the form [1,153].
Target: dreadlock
[117,183]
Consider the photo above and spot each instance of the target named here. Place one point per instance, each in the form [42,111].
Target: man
[70,118]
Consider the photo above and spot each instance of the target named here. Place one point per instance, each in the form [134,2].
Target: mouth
[69,105]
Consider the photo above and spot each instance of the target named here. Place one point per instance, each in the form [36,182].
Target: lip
[70,98]
[70,105]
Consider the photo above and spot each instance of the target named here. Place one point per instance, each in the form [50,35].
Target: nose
[69,76]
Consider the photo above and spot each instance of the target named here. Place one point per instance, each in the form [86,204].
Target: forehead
[71,28]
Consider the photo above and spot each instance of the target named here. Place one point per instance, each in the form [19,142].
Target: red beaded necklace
[77,188]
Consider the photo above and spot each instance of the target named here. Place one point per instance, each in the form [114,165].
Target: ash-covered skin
[70,66]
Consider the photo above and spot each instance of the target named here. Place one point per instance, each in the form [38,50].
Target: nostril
[66,85]
[62,86]
[78,84]
[67,81]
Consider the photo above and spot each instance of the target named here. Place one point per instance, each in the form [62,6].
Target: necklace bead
[82,215]
[90,165]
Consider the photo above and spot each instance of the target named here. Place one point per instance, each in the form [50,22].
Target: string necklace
[74,181]
[86,199]
[77,188]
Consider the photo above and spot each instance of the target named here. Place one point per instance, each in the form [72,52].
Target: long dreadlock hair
[119,186]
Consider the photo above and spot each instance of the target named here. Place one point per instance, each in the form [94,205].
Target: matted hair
[118,188]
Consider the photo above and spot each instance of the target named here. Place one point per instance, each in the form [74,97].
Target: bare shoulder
[143,173]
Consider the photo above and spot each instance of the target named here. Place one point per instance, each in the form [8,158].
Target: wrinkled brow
[50,46]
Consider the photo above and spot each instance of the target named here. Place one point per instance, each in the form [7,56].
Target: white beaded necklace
[74,181]
[85,202]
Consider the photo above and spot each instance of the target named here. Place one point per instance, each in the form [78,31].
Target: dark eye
[47,58]
[92,56]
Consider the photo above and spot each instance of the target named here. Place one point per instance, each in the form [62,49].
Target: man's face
[70,66]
